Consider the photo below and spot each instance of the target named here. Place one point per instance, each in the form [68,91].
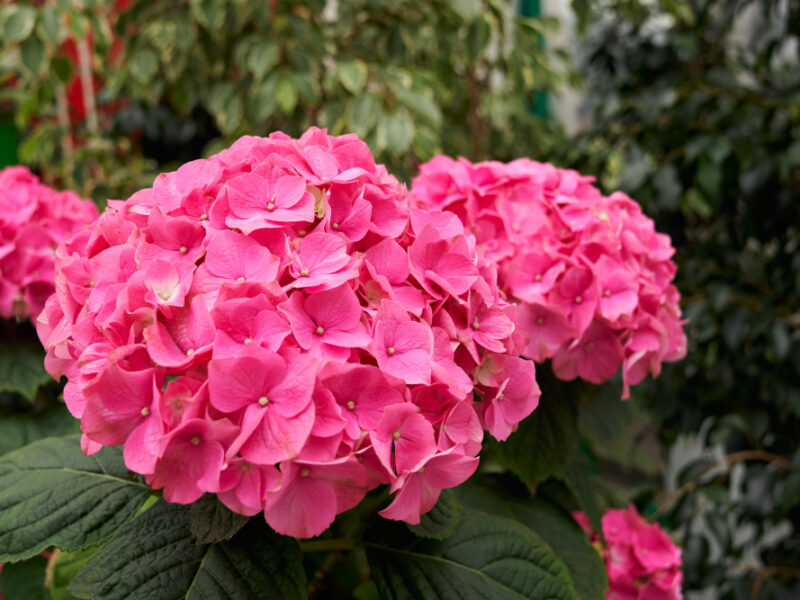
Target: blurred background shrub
[696,114]
[690,106]
[107,91]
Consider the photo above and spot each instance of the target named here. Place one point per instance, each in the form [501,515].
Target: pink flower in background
[275,326]
[34,220]
[592,276]
[642,562]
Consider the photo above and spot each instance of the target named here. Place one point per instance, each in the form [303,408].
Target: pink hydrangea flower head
[34,220]
[642,562]
[274,325]
[588,271]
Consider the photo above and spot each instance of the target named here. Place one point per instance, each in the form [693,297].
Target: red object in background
[75,87]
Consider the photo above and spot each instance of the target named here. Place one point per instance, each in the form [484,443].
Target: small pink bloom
[516,397]
[276,396]
[439,264]
[312,494]
[244,486]
[419,490]
[595,357]
[404,434]
[192,459]
[321,261]
[327,323]
[618,290]
[187,334]
[401,346]
[576,296]
[238,258]
[270,197]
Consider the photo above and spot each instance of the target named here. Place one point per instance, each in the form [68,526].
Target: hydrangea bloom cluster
[34,219]
[641,560]
[277,326]
[591,274]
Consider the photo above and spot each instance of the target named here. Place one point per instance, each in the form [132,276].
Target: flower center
[607,293]
[335,226]
[350,405]
[319,330]
[263,401]
[240,279]
[390,350]
[304,272]
[204,217]
[396,435]
[145,411]
[475,324]
[195,440]
[248,340]
[304,473]
[578,299]
[183,250]
[589,347]
[540,321]
[537,277]
[271,203]
[190,352]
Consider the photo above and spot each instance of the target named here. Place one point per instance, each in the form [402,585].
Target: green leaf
[262,57]
[426,143]
[155,556]
[67,565]
[553,524]
[50,24]
[62,67]
[546,441]
[422,105]
[353,75]
[488,556]
[22,368]
[395,133]
[286,94]
[144,65]
[210,13]
[362,113]
[441,521]
[466,9]
[576,477]
[33,54]
[18,22]
[478,36]
[214,522]
[604,418]
[263,103]
[53,495]
[24,580]
[19,430]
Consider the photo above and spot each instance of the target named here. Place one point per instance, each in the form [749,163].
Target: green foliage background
[696,114]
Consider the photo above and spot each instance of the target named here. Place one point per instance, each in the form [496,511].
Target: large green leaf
[545,442]
[155,556]
[441,521]
[53,495]
[19,430]
[18,22]
[24,580]
[554,525]
[488,557]
[22,368]
[213,522]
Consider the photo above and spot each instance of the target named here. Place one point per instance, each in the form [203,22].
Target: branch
[725,461]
